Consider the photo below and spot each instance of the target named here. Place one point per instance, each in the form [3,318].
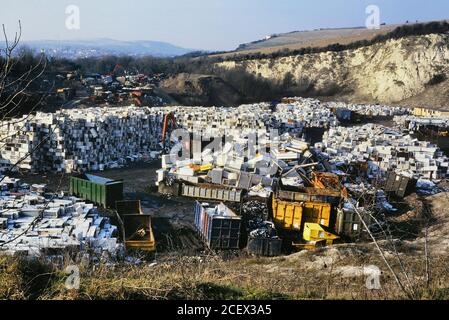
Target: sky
[202,24]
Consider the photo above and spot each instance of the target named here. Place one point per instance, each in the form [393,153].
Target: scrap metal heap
[309,191]
[34,223]
[306,193]
[384,149]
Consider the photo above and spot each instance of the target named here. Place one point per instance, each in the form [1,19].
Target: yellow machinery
[201,168]
[315,236]
[310,218]
[315,232]
[292,215]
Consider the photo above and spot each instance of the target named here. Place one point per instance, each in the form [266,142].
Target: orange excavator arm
[168,117]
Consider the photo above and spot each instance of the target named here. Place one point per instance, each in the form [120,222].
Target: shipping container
[293,215]
[98,190]
[218,226]
[349,225]
[310,195]
[265,247]
[139,232]
[207,192]
[399,185]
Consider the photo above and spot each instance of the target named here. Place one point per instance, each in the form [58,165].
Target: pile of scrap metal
[315,212]
[225,177]
[34,223]
[230,176]
[315,195]
[262,235]
[305,201]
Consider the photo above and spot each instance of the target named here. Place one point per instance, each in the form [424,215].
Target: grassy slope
[317,275]
[315,38]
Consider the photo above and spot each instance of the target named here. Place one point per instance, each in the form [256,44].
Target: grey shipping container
[218,226]
[349,225]
[211,193]
[265,247]
[399,185]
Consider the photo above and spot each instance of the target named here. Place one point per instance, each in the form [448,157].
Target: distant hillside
[314,38]
[411,71]
[73,49]
[297,40]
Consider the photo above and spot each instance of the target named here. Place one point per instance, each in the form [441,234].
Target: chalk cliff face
[388,72]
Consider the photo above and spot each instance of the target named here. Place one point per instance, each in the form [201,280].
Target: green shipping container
[101,191]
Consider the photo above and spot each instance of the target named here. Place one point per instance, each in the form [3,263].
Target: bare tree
[20,94]
[17,77]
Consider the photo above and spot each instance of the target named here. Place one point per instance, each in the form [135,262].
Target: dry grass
[307,275]
[305,39]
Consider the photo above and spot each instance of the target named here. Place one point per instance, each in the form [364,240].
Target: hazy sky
[203,24]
